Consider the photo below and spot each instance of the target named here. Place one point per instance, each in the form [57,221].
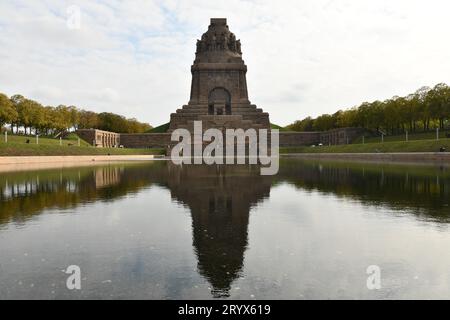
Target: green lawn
[18,146]
[71,139]
[396,146]
[431,135]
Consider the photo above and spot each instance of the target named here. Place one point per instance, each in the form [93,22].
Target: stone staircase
[244,116]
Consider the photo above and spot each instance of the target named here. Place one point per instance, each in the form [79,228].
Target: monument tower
[219,96]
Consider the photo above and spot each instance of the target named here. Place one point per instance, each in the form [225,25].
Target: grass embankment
[395,146]
[18,146]
[275,126]
[430,135]
[160,129]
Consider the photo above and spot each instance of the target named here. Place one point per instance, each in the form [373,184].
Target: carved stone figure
[218,38]
[232,45]
[238,47]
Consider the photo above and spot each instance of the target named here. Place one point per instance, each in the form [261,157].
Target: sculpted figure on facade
[218,40]
[232,45]
[238,47]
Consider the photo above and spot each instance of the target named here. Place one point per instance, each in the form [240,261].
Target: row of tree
[423,110]
[20,112]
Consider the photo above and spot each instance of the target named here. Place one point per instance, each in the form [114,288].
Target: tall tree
[7,112]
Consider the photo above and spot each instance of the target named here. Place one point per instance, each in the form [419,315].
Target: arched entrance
[219,102]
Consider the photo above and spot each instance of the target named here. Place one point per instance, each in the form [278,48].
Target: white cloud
[304,57]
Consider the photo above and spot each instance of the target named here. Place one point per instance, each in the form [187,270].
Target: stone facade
[219,85]
[145,140]
[100,138]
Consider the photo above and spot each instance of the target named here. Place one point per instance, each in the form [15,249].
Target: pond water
[153,230]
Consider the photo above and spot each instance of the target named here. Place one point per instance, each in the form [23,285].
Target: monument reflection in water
[220,200]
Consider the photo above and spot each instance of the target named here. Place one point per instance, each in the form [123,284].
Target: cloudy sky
[304,57]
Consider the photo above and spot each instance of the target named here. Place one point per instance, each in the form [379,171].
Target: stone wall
[295,139]
[332,137]
[145,140]
[342,135]
[87,135]
[162,140]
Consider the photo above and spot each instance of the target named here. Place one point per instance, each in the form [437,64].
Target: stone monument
[219,96]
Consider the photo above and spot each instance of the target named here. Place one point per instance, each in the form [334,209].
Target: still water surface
[153,230]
